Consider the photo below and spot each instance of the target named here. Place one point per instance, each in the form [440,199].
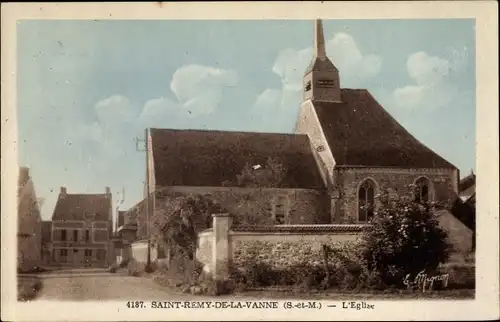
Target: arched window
[422,190]
[366,200]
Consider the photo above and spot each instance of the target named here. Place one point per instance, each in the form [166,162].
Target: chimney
[63,192]
[108,191]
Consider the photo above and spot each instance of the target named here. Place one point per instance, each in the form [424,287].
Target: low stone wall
[279,246]
[139,251]
[284,246]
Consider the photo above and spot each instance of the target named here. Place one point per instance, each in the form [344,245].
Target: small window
[422,191]
[88,253]
[75,235]
[63,252]
[307,87]
[326,83]
[87,236]
[280,210]
[366,201]
[63,235]
[320,148]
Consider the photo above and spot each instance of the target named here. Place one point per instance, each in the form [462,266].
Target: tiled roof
[210,158]
[76,206]
[318,64]
[301,228]
[467,183]
[24,176]
[360,132]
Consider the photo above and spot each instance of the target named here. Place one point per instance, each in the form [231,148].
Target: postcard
[250,161]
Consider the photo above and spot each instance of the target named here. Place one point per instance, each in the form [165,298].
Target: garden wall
[139,251]
[278,246]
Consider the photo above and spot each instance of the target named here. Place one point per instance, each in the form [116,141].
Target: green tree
[179,220]
[252,206]
[270,175]
[404,238]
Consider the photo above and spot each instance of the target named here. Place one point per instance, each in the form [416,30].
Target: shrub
[404,238]
[217,288]
[183,273]
[124,263]
[136,268]
[153,266]
[113,268]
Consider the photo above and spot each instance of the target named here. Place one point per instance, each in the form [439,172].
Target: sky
[87,89]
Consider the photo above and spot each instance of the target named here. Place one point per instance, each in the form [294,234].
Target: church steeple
[319,40]
[321,79]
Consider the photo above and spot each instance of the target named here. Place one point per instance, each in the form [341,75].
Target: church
[346,149]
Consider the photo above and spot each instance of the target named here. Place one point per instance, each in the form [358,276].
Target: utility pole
[147,199]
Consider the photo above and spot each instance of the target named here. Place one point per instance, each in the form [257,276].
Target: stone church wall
[443,186]
[304,206]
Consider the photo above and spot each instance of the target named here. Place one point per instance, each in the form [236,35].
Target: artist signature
[425,282]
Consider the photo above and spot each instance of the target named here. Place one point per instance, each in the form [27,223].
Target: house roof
[77,206]
[360,132]
[24,176]
[467,182]
[210,158]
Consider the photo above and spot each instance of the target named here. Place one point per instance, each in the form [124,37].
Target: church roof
[211,158]
[320,64]
[360,132]
[76,206]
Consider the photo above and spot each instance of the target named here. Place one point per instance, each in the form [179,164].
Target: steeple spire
[321,79]
[319,40]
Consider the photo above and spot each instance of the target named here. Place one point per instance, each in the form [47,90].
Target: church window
[280,210]
[308,86]
[366,200]
[422,190]
[326,83]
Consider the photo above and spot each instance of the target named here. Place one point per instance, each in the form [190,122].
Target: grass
[368,295]
[28,288]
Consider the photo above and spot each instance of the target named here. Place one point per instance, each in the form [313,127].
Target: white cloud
[156,111]
[269,98]
[433,80]
[342,49]
[290,65]
[354,67]
[199,88]
[115,109]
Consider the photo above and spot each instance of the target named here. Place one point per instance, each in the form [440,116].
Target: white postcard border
[486,304]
